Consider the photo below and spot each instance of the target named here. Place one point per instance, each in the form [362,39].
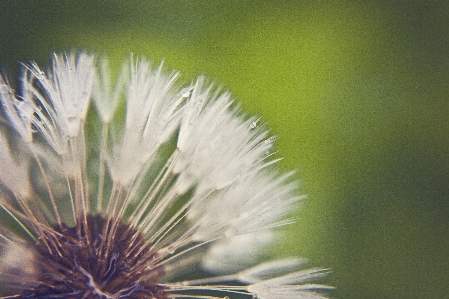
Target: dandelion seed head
[174,198]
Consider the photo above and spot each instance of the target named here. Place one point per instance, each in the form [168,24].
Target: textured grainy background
[357,91]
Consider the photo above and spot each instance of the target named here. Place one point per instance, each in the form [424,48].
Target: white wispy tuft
[167,191]
[106,96]
[217,145]
[14,171]
[60,99]
[152,116]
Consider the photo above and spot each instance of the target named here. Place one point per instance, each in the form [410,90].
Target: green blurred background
[357,92]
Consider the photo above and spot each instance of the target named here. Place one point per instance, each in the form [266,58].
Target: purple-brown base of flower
[100,259]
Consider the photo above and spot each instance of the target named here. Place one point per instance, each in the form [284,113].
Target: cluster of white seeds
[138,187]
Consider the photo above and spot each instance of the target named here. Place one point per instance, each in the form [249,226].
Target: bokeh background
[356,91]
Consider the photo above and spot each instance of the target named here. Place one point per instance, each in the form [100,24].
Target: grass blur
[357,92]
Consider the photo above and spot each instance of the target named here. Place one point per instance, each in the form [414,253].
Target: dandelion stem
[153,189]
[10,213]
[50,193]
[101,171]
